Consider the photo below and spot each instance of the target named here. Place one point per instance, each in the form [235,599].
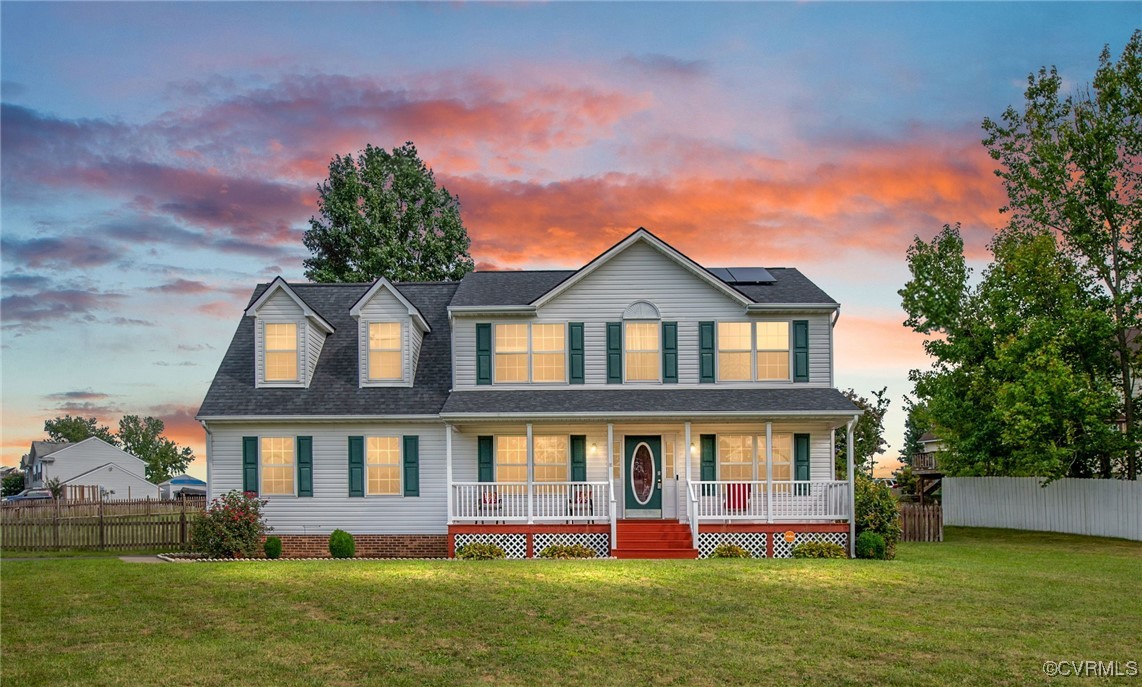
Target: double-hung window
[548,352]
[280,344]
[511,353]
[753,351]
[382,465]
[278,469]
[550,454]
[735,457]
[643,354]
[511,459]
[735,348]
[772,350]
[782,457]
[534,352]
[385,363]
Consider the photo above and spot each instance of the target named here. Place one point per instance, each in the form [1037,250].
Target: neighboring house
[182,485]
[930,445]
[89,463]
[642,405]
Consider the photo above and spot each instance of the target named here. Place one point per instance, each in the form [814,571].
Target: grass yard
[985,607]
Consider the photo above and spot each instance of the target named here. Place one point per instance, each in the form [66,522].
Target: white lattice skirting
[598,541]
[784,549]
[514,545]
[753,542]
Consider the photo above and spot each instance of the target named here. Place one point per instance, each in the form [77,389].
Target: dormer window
[281,352]
[385,361]
[390,334]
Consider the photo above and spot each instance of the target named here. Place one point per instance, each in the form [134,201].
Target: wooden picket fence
[921,522]
[142,523]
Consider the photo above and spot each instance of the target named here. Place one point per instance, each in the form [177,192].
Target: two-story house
[642,405]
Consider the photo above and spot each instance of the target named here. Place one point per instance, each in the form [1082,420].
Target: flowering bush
[232,525]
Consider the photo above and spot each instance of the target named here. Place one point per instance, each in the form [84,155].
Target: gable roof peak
[384,283]
[280,284]
[643,235]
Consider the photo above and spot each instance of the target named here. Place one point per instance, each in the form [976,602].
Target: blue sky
[159,159]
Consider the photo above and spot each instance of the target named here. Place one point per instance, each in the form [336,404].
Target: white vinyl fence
[1098,507]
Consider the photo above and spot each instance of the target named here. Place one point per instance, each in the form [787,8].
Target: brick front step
[655,553]
[653,539]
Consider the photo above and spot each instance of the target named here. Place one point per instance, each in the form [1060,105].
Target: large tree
[144,438]
[73,429]
[868,433]
[382,215]
[1020,379]
[1072,167]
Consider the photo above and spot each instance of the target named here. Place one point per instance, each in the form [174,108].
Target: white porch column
[448,467]
[611,481]
[530,477]
[769,472]
[852,486]
[686,482]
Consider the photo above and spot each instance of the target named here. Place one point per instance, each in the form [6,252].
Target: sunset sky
[160,159]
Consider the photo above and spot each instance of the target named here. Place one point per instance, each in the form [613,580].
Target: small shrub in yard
[273,547]
[870,545]
[729,551]
[819,549]
[567,551]
[341,544]
[877,511]
[479,551]
[232,525]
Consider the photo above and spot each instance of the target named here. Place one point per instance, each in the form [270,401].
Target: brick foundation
[368,545]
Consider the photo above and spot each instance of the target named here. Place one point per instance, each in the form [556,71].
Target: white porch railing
[492,502]
[769,501]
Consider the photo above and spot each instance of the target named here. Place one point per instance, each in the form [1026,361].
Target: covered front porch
[715,479]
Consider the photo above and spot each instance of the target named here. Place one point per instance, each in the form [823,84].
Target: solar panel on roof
[721,273]
[750,275]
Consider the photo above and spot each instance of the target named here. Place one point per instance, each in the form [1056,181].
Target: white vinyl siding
[331,507]
[76,464]
[115,483]
[641,273]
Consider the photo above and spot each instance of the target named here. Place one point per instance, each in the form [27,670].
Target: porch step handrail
[776,501]
[495,502]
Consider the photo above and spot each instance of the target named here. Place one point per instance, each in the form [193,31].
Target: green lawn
[985,607]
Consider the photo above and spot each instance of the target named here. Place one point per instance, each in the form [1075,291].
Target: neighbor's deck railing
[769,501]
[535,502]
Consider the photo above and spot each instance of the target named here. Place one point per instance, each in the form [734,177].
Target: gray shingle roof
[660,400]
[790,287]
[506,288]
[334,389]
[521,288]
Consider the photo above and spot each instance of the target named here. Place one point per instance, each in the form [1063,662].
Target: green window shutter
[709,462]
[250,464]
[356,466]
[670,352]
[485,459]
[411,459]
[706,350]
[614,353]
[801,457]
[800,350]
[578,458]
[483,353]
[305,466]
[575,350]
